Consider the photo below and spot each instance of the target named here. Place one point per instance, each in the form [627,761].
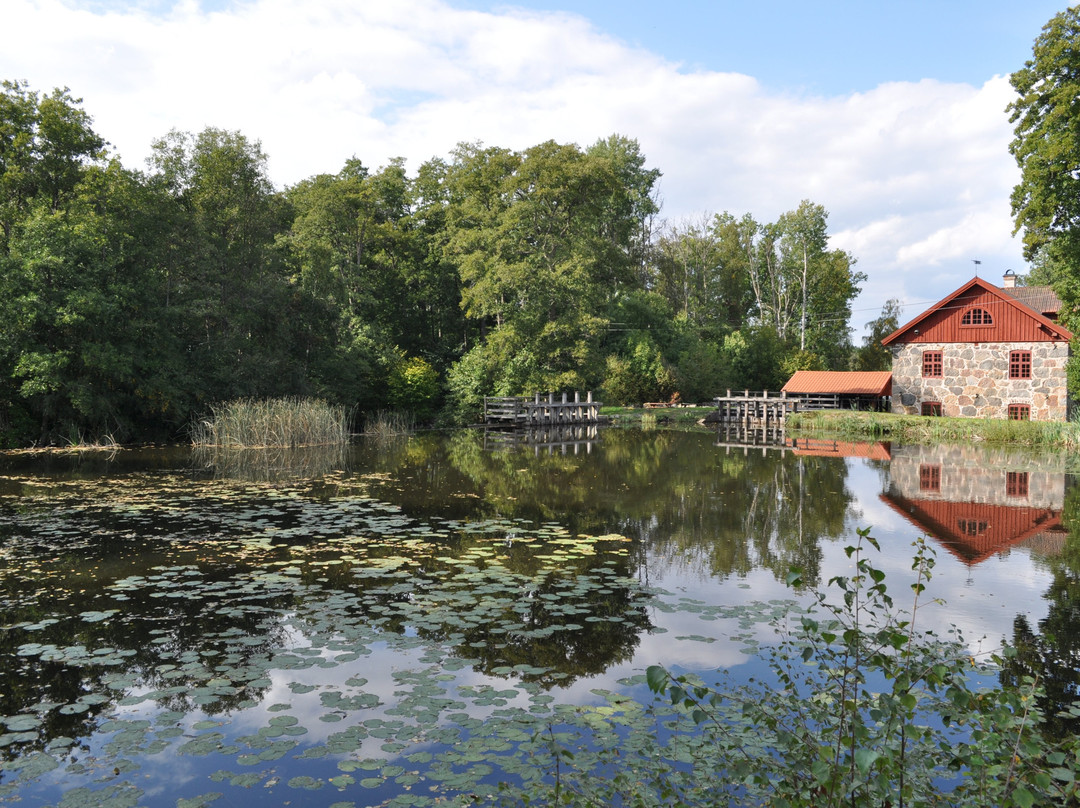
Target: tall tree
[873,355]
[1046,145]
[542,238]
[1046,116]
[46,142]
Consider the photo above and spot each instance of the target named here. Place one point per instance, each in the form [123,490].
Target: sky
[892,115]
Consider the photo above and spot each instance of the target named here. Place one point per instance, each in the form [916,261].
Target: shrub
[858,708]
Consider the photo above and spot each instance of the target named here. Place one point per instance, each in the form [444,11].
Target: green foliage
[860,708]
[755,357]
[541,239]
[701,371]
[413,386]
[639,376]
[1046,201]
[932,431]
[873,355]
[129,301]
[801,360]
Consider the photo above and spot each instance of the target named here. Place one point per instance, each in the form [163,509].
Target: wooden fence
[755,408]
[561,439]
[541,410]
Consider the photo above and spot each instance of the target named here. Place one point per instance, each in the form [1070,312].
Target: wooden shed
[834,389]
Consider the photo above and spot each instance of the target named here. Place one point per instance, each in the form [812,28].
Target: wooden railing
[755,407]
[540,410]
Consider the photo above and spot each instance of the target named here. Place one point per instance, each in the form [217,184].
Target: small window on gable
[972,527]
[976,317]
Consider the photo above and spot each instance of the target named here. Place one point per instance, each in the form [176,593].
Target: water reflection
[270,464]
[978,502]
[436,573]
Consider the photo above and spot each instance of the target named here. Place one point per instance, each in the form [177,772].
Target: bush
[414,387]
[859,708]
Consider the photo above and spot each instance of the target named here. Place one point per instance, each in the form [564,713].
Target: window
[1016,483]
[972,527]
[931,408]
[976,317]
[1020,365]
[931,364]
[929,477]
[1019,412]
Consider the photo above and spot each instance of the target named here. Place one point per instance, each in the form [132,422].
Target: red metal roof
[822,447]
[850,383]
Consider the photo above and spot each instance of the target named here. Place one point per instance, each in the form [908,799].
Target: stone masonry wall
[976,383]
[978,474]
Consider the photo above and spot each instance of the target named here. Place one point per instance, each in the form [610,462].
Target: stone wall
[975,381]
[978,474]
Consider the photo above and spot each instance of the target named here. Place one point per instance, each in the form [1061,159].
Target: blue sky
[823,46]
[889,114]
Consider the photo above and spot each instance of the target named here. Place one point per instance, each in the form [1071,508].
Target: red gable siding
[1012,320]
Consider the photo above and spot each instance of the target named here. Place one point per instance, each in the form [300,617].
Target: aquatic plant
[387,424]
[274,422]
[922,429]
[863,708]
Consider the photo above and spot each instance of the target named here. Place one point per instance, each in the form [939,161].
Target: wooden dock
[753,408]
[541,410]
[561,439]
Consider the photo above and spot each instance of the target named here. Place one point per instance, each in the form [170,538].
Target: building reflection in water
[977,502]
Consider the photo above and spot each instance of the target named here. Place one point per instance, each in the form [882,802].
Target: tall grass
[275,422]
[922,429]
[384,424]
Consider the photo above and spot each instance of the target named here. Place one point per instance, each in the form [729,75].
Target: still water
[390,623]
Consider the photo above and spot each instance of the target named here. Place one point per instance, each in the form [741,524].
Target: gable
[979,312]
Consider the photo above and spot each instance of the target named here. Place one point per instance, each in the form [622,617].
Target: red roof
[849,383]
[823,447]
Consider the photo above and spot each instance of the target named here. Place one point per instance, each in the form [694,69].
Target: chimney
[1009,281]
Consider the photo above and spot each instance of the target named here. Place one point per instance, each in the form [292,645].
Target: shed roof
[851,382]
[823,447]
[1042,299]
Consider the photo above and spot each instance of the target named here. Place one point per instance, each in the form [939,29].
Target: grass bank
[655,416]
[921,429]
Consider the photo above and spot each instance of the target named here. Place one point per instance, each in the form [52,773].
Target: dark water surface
[399,622]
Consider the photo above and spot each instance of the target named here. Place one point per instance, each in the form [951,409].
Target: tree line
[131,300]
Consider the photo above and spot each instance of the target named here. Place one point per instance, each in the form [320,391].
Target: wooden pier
[541,410]
[753,408]
[561,439]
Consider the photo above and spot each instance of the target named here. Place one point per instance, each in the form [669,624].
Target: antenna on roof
[977,262]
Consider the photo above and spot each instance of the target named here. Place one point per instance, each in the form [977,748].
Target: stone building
[977,501]
[984,352]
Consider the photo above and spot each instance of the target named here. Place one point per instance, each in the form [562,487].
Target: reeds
[275,422]
[385,424]
[923,429]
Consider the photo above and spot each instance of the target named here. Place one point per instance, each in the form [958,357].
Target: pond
[404,622]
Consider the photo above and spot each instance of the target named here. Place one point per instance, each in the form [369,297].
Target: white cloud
[916,176]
